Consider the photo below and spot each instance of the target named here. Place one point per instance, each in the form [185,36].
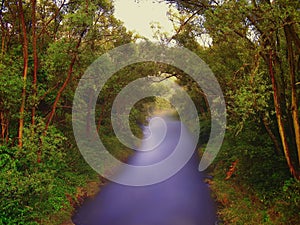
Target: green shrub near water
[31,191]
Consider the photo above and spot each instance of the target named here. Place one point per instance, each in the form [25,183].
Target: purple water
[183,199]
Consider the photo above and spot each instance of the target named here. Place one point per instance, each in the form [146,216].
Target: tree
[269,33]
[25,70]
[45,48]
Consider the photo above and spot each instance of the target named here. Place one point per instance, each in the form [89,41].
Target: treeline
[45,48]
[253,50]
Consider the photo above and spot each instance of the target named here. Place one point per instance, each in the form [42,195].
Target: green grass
[239,204]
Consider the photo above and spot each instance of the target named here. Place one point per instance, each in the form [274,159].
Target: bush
[31,184]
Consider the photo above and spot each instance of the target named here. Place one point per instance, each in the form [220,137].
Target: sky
[137,16]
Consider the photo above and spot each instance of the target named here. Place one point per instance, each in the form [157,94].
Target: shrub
[31,185]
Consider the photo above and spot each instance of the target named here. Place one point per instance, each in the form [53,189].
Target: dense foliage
[45,48]
[254,51]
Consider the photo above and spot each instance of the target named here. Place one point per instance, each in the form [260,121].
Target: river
[183,199]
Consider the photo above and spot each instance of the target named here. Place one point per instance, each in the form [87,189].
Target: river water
[183,199]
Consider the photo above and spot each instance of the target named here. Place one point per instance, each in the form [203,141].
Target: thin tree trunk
[3,125]
[45,25]
[62,88]
[280,120]
[25,70]
[294,106]
[35,61]
[272,136]
[289,28]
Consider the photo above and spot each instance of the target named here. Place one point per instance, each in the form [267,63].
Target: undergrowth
[259,190]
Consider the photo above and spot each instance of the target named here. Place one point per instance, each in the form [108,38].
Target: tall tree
[268,30]
[35,61]
[25,71]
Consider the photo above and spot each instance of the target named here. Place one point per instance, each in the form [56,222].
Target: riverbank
[238,203]
[83,193]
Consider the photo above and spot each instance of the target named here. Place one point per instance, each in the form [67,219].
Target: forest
[251,46]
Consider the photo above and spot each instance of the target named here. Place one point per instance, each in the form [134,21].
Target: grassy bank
[251,186]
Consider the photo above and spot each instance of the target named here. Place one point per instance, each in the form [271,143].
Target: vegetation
[251,46]
[254,54]
[45,48]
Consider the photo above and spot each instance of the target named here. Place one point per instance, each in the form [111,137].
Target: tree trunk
[4,127]
[294,106]
[35,61]
[272,136]
[70,71]
[25,69]
[279,118]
